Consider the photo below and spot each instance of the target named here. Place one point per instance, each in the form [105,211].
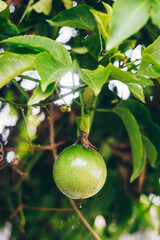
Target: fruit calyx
[83,139]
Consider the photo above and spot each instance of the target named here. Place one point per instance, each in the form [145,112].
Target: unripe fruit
[79,173]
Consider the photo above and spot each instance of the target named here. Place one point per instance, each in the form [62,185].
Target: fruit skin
[79,173]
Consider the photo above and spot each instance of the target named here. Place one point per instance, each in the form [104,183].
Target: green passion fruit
[79,173]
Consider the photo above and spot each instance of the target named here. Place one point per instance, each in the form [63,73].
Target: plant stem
[83,219]
[29,78]
[82,104]
[20,89]
[21,105]
[52,135]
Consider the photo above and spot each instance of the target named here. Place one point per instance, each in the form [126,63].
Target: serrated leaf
[128,18]
[49,69]
[42,6]
[155,13]
[77,17]
[135,138]
[102,20]
[95,79]
[8,29]
[149,70]
[13,65]
[128,77]
[150,149]
[39,43]
[152,53]
[38,95]
[4,9]
[137,92]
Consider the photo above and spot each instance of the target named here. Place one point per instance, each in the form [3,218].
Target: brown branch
[21,205]
[141,180]
[47,147]
[83,219]
[51,128]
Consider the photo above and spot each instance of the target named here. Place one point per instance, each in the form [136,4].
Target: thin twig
[83,219]
[34,149]
[51,128]
[21,205]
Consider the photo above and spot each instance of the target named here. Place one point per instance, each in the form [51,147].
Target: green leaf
[83,124]
[127,77]
[102,20]
[147,69]
[13,65]
[4,9]
[138,171]
[42,6]
[152,53]
[95,79]
[150,149]
[67,3]
[108,8]
[38,95]
[39,43]
[8,29]
[155,13]
[137,92]
[147,127]
[135,139]
[50,69]
[93,44]
[128,18]
[76,17]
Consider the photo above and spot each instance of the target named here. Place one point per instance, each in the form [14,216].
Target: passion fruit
[79,173]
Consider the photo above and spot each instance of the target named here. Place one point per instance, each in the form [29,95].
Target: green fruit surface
[79,173]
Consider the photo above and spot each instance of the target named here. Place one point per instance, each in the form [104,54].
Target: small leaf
[67,3]
[152,53]
[8,29]
[95,79]
[147,69]
[76,17]
[137,92]
[150,149]
[127,77]
[128,18]
[39,43]
[42,6]
[102,20]
[93,44]
[108,8]
[13,65]
[49,69]
[38,95]
[135,139]
[155,13]
[83,124]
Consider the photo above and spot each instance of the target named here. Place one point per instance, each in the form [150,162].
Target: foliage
[34,127]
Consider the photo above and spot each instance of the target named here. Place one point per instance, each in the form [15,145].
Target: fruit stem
[86,223]
[82,104]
